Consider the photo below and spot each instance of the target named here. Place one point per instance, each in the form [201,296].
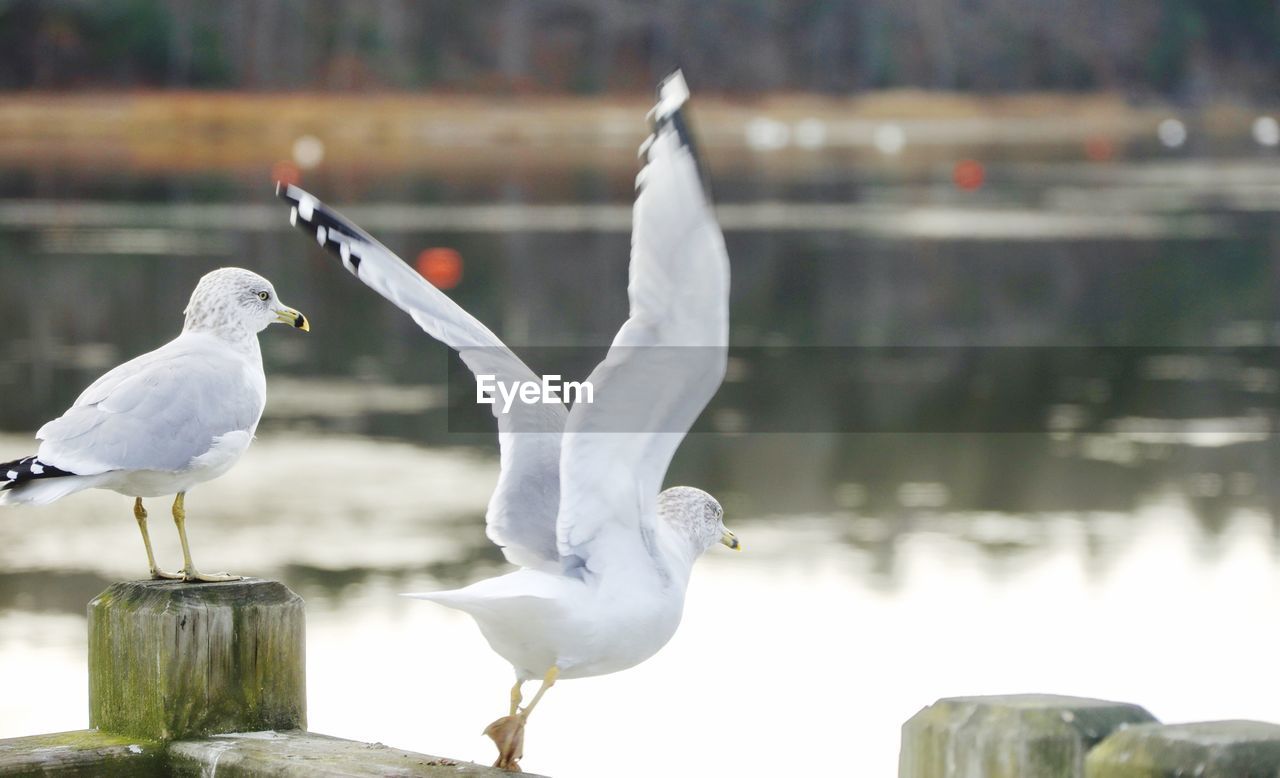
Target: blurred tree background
[1184,50]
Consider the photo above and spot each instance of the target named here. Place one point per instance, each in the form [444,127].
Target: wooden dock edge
[85,752]
[236,755]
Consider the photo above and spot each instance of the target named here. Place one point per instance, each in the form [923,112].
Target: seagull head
[697,517]
[233,302]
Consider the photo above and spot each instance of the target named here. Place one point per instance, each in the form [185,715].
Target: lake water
[1010,440]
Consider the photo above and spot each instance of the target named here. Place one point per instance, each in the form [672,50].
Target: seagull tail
[449,599]
[28,480]
[434,596]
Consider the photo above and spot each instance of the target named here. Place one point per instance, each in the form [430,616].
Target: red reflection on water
[969,174]
[1099,148]
[441,266]
[285,172]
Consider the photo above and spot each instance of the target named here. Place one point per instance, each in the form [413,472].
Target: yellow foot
[507,734]
[196,575]
[160,575]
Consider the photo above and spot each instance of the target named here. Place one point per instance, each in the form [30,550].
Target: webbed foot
[196,575]
[507,734]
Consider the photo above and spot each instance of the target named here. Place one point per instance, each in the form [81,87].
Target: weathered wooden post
[1014,736]
[1207,749]
[171,660]
[190,679]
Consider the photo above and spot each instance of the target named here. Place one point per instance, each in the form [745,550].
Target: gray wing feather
[156,412]
[666,362]
[522,512]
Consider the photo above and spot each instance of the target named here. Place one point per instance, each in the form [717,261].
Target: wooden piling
[171,660]
[1013,736]
[191,679]
[1207,749]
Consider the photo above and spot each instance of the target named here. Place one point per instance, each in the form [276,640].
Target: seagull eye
[264,296]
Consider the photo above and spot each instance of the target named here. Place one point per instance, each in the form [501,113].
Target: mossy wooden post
[1207,749]
[1013,736]
[170,660]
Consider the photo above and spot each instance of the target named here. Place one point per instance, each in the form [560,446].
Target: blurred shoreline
[240,131]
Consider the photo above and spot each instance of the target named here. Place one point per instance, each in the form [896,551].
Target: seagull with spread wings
[605,554]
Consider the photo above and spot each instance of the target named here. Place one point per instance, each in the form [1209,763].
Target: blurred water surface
[953,519]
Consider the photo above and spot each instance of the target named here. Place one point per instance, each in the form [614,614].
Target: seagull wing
[158,411]
[522,511]
[665,363]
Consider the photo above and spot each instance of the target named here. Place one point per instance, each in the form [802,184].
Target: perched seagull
[605,554]
[167,420]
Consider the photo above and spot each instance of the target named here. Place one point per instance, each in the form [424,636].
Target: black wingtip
[670,111]
[22,471]
[673,93]
[289,192]
[335,233]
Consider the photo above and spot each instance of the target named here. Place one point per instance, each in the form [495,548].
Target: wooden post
[1209,749]
[170,660]
[197,679]
[1014,736]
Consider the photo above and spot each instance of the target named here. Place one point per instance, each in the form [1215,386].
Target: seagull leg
[189,572]
[140,513]
[516,696]
[507,732]
[548,681]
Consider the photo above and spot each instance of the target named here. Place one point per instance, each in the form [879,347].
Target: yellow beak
[731,540]
[293,318]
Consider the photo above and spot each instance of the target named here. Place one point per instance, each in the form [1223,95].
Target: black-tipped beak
[293,318]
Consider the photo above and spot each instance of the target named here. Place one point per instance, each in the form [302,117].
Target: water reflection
[794,645]
[1117,530]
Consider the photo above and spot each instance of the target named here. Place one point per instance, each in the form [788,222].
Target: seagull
[605,554]
[165,421]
